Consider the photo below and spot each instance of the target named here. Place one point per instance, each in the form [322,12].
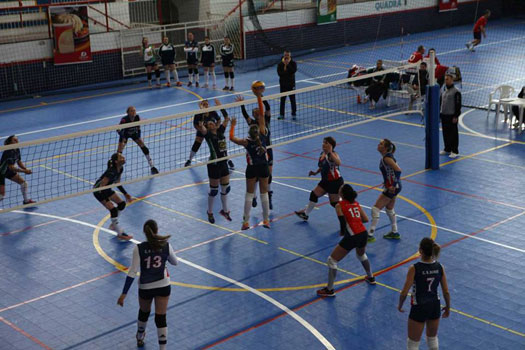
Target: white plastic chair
[502,91]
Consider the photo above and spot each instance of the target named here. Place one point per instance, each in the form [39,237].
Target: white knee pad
[361,257]
[433,343]
[332,263]
[390,212]
[375,212]
[412,345]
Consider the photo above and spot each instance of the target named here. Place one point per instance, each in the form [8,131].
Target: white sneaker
[453,155]
[443,152]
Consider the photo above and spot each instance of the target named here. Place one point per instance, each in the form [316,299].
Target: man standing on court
[450,112]
[479,28]
[286,70]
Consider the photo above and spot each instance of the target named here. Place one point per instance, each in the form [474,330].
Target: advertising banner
[71,32]
[326,11]
[448,5]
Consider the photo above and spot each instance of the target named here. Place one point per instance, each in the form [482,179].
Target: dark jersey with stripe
[191,55]
[129,132]
[152,262]
[389,174]
[112,174]
[329,170]
[226,52]
[205,118]
[167,53]
[426,281]
[255,154]
[9,157]
[208,54]
[217,143]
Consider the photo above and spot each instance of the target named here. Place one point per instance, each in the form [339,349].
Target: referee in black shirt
[286,70]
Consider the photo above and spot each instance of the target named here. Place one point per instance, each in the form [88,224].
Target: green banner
[326,11]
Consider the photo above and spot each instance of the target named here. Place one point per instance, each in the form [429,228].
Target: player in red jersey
[417,56]
[479,28]
[351,218]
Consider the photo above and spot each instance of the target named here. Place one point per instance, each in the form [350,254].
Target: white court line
[462,124]
[438,227]
[269,299]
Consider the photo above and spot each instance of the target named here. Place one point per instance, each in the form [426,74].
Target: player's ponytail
[389,145]
[9,140]
[429,249]
[155,241]
[348,193]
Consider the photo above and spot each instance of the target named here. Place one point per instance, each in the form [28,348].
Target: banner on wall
[71,32]
[326,11]
[448,5]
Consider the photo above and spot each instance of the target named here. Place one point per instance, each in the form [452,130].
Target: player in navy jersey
[208,61]
[167,56]
[351,218]
[8,169]
[226,51]
[424,278]
[392,184]
[205,118]
[154,282]
[218,171]
[331,179]
[191,48]
[266,141]
[256,169]
[134,134]
[107,197]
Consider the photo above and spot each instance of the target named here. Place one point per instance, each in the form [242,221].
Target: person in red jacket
[479,28]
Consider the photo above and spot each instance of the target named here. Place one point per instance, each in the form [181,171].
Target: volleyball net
[69,165]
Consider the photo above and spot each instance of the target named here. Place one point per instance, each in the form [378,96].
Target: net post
[432,118]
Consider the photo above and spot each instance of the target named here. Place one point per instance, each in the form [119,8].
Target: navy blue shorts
[218,170]
[258,171]
[103,195]
[350,241]
[390,194]
[331,187]
[125,136]
[149,294]
[424,312]
[477,35]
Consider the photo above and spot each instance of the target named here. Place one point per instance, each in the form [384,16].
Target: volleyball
[258,87]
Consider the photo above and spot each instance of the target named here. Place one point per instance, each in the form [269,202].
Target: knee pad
[433,343]
[149,75]
[225,189]
[232,75]
[390,212]
[361,258]
[213,191]
[333,204]
[143,316]
[195,71]
[270,179]
[226,75]
[313,197]
[160,320]
[121,205]
[190,71]
[331,263]
[145,150]
[114,212]
[375,212]
[157,73]
[412,345]
[196,146]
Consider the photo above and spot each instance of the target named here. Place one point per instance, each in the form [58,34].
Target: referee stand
[432,118]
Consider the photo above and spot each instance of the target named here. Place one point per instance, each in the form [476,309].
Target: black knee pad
[226,75]
[196,146]
[121,205]
[149,75]
[113,212]
[143,316]
[145,150]
[313,197]
[190,71]
[231,75]
[195,71]
[157,73]
[270,179]
[333,204]
[160,321]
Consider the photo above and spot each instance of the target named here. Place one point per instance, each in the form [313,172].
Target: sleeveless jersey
[211,116]
[217,143]
[329,170]
[127,132]
[112,174]
[352,216]
[426,282]
[388,172]
[9,157]
[255,154]
[149,54]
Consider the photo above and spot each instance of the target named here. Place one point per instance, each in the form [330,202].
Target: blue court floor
[62,268]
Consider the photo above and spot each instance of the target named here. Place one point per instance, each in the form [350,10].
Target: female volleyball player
[107,197]
[208,61]
[392,184]
[256,169]
[226,51]
[266,141]
[191,47]
[150,61]
[331,179]
[8,170]
[218,171]
[134,134]
[424,277]
[154,282]
[167,56]
[351,216]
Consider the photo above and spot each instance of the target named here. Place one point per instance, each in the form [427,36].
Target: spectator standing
[450,112]
[286,70]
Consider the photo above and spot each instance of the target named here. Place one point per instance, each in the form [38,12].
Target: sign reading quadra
[326,11]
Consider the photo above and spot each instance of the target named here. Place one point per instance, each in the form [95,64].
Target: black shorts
[149,294]
[477,35]
[124,136]
[167,62]
[227,63]
[208,64]
[9,174]
[104,195]
[218,170]
[192,61]
[331,187]
[199,134]
[150,64]
[269,152]
[390,194]
[258,171]
[350,242]
[424,312]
